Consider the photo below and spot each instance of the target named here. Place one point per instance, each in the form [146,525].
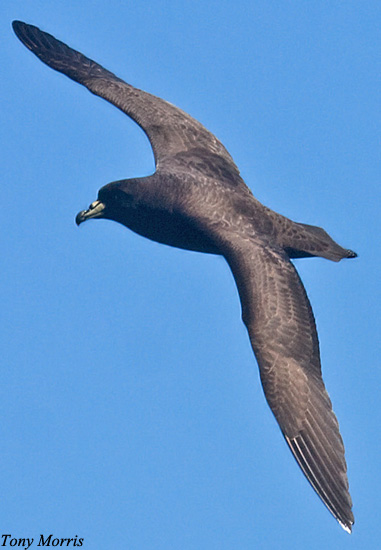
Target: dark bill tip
[80,217]
[95,210]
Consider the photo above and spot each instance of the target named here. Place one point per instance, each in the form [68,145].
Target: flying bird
[197,200]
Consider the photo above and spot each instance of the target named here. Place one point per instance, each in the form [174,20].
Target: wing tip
[17,23]
[24,32]
[18,26]
[342,514]
[346,526]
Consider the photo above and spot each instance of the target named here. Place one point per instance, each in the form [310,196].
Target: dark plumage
[197,200]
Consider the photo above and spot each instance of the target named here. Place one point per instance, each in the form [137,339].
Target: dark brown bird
[197,200]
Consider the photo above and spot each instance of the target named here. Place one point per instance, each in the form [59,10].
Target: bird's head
[113,202]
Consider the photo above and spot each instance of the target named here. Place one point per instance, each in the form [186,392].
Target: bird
[197,200]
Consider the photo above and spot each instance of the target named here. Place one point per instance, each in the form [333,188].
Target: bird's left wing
[282,330]
[169,129]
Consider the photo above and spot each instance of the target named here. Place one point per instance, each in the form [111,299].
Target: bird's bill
[95,210]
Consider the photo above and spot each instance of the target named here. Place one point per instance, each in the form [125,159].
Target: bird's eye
[120,196]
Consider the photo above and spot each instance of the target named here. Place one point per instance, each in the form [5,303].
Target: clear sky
[131,409]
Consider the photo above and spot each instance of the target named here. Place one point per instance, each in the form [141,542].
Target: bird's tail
[301,241]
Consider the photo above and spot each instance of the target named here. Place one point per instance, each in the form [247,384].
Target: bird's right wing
[282,330]
[169,129]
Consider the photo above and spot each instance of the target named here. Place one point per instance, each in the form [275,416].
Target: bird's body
[197,200]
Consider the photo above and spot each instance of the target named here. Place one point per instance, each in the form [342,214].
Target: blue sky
[132,412]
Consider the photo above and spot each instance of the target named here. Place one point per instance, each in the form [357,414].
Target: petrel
[197,200]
